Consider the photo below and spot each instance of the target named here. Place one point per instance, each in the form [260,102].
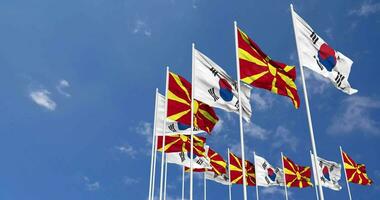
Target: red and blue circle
[271,174]
[225,90]
[326,173]
[326,56]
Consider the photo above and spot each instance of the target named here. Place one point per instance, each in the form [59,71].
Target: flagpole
[183,182]
[314,174]
[240,114]
[257,187]
[229,175]
[166,175]
[153,144]
[345,173]
[163,138]
[314,148]
[192,121]
[204,186]
[154,166]
[283,169]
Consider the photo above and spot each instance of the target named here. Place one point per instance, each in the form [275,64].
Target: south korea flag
[266,174]
[329,173]
[315,54]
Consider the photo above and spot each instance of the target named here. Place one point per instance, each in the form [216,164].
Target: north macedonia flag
[356,173]
[236,171]
[296,175]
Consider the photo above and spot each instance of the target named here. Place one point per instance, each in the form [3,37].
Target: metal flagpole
[163,139]
[240,114]
[183,182]
[345,173]
[192,121]
[229,175]
[204,186]
[257,187]
[314,148]
[283,169]
[166,175]
[314,174]
[154,166]
[152,161]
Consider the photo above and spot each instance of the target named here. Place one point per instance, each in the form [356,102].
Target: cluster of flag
[187,109]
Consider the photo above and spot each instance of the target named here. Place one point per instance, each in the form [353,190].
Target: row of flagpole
[163,177]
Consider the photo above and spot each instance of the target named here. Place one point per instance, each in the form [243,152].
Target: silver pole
[345,173]
[257,187]
[183,183]
[240,114]
[283,169]
[163,139]
[192,122]
[314,148]
[166,175]
[314,174]
[152,161]
[229,175]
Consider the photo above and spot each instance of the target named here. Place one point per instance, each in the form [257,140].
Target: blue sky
[78,80]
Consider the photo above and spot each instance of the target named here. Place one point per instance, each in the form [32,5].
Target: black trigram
[267,180]
[265,165]
[172,128]
[237,105]
[199,162]
[182,155]
[214,71]
[211,91]
[339,79]
[314,37]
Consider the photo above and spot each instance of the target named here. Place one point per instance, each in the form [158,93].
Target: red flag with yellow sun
[356,173]
[179,105]
[182,143]
[296,175]
[236,171]
[259,70]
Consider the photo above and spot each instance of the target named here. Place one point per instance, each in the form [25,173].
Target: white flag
[266,174]
[318,56]
[329,173]
[172,127]
[222,179]
[213,86]
[183,158]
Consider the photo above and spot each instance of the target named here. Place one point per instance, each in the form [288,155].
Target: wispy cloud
[256,131]
[366,8]
[284,138]
[270,191]
[61,86]
[91,186]
[127,149]
[130,181]
[145,129]
[141,27]
[317,83]
[262,100]
[354,114]
[41,97]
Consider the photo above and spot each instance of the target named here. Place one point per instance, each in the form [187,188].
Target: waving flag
[320,57]
[356,173]
[329,173]
[236,171]
[172,127]
[179,106]
[266,174]
[183,158]
[296,175]
[217,172]
[216,88]
[259,70]
[182,143]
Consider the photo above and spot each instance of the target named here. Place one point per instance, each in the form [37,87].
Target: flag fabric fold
[259,70]
[236,171]
[217,89]
[296,175]
[266,174]
[179,106]
[183,158]
[356,173]
[182,143]
[320,57]
[329,173]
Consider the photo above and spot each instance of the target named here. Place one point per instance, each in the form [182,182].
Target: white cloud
[145,129]
[127,149]
[218,127]
[366,8]
[283,138]
[269,191]
[41,98]
[316,83]
[329,33]
[91,186]
[130,180]
[61,86]
[262,100]
[256,131]
[141,27]
[354,114]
